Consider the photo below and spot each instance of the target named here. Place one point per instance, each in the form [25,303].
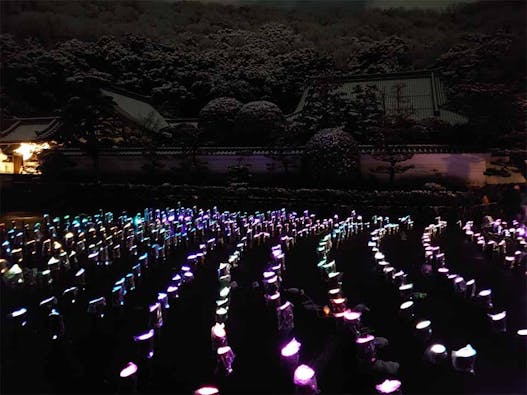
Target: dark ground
[184,359]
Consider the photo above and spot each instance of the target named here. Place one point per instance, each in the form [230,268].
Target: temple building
[21,139]
[422,93]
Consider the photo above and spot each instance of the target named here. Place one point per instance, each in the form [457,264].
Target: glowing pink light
[275,296]
[218,330]
[129,369]
[291,348]
[207,391]
[352,315]
[364,339]
[267,275]
[224,350]
[388,386]
[303,375]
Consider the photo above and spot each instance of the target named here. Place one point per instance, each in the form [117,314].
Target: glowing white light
[438,348]
[207,391]
[219,330]
[128,370]
[27,150]
[19,312]
[485,292]
[351,315]
[303,375]
[423,324]
[291,348]
[499,316]
[224,350]
[145,336]
[406,305]
[364,339]
[388,386]
[522,332]
[224,292]
[466,352]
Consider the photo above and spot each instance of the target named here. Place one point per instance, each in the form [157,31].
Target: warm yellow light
[27,150]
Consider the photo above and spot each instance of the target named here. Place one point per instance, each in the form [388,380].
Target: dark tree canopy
[183,54]
[216,119]
[259,122]
[332,156]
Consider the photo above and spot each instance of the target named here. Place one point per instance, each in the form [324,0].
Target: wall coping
[293,151]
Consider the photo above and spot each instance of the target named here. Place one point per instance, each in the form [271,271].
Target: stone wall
[463,167]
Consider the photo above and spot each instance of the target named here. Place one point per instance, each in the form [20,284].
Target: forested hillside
[185,54]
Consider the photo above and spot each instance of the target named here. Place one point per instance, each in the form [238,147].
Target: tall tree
[82,118]
[389,137]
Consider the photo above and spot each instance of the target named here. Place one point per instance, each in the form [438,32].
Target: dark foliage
[217,119]
[332,156]
[185,54]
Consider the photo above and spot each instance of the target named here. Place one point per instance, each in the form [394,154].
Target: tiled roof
[422,92]
[29,130]
[136,108]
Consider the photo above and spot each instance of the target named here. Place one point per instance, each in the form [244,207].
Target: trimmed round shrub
[217,119]
[259,123]
[331,157]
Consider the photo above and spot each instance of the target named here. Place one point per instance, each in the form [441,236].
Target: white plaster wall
[469,168]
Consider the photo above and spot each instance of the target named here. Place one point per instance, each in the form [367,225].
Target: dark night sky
[359,4]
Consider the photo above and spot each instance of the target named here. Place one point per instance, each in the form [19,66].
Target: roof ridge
[124,92]
[376,76]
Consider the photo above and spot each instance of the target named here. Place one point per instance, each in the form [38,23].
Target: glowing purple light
[129,369]
[275,296]
[144,336]
[268,275]
[350,315]
[388,386]
[291,348]
[218,330]
[303,375]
